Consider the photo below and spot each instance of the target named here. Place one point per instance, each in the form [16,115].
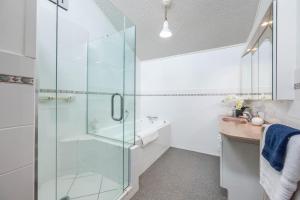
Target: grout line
[16,127]
[100,187]
[109,190]
[79,176]
[16,169]
[74,179]
[88,195]
[11,53]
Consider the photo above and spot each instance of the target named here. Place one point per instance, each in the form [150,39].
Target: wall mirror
[257,62]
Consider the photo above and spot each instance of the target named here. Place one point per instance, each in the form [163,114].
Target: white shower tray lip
[79,138]
[89,137]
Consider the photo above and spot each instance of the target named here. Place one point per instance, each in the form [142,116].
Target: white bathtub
[148,154]
[116,132]
[142,157]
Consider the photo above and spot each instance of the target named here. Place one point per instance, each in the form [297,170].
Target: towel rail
[67,99]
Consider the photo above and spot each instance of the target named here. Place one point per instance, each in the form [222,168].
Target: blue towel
[276,140]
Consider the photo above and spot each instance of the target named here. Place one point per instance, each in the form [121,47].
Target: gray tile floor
[182,175]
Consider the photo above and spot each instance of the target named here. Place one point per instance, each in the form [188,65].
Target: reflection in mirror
[257,62]
[255,72]
[265,64]
[246,88]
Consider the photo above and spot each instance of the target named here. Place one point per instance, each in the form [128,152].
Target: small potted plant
[239,107]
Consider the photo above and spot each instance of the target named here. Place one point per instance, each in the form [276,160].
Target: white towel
[282,185]
[148,136]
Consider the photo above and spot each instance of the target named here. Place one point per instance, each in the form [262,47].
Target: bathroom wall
[17,60]
[138,88]
[298,35]
[188,90]
[193,116]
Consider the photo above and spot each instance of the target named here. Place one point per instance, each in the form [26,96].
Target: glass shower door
[86,100]
[92,151]
[111,97]
[105,107]
[105,87]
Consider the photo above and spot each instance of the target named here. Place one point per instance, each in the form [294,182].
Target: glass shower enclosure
[86,100]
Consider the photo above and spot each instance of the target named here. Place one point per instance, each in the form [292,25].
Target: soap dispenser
[257,120]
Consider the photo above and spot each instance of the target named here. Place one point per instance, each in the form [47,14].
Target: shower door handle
[113,107]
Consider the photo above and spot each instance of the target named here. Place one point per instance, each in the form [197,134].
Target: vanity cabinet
[239,164]
[269,60]
[240,169]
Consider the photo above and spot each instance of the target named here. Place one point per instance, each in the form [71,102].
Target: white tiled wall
[16,148]
[17,52]
[17,101]
[17,184]
[193,118]
[298,38]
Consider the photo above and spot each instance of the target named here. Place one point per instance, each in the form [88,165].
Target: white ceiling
[196,24]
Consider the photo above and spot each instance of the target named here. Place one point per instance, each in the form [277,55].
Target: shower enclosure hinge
[64,4]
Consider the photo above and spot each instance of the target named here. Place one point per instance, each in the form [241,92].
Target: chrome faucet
[152,118]
[247,115]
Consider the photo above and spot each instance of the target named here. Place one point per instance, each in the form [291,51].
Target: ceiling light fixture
[166,32]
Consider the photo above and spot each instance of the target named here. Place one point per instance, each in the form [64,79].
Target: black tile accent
[12,79]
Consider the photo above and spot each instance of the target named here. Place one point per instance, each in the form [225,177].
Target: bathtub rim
[137,139]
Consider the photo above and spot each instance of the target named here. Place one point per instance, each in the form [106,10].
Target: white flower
[239,104]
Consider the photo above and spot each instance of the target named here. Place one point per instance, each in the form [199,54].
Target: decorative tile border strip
[297,86]
[204,94]
[158,95]
[61,91]
[73,92]
[4,78]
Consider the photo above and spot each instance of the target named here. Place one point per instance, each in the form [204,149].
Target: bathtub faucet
[152,118]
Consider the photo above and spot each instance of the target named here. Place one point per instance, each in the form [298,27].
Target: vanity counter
[240,130]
